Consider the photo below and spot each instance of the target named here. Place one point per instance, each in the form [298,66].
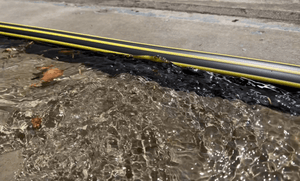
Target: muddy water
[98,127]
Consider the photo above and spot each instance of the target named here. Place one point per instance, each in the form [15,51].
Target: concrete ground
[286,10]
[256,38]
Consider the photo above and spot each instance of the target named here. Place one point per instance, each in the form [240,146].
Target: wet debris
[36,122]
[156,58]
[156,72]
[28,44]
[44,68]
[10,49]
[269,101]
[15,51]
[69,52]
[52,74]
[12,52]
[49,74]
[18,49]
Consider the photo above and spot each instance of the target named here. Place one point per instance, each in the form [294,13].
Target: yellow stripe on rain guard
[154,50]
[126,41]
[62,43]
[259,78]
[236,74]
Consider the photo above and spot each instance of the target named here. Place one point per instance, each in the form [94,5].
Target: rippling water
[98,127]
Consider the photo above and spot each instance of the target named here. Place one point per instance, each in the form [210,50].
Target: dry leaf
[36,122]
[52,74]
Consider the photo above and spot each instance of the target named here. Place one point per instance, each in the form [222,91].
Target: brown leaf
[52,74]
[49,75]
[43,68]
[36,122]
[66,52]
[33,85]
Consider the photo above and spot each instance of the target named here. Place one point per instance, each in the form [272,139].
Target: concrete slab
[288,10]
[258,1]
[263,39]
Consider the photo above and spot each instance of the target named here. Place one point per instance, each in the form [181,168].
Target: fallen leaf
[66,52]
[33,85]
[36,122]
[52,74]
[48,75]
[69,52]
[44,68]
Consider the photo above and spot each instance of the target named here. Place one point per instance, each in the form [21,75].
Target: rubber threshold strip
[261,70]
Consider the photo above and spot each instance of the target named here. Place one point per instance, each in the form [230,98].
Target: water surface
[99,127]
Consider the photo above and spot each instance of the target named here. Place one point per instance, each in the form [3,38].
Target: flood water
[99,127]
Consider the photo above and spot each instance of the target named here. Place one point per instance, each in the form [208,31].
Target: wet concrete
[101,127]
[9,163]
